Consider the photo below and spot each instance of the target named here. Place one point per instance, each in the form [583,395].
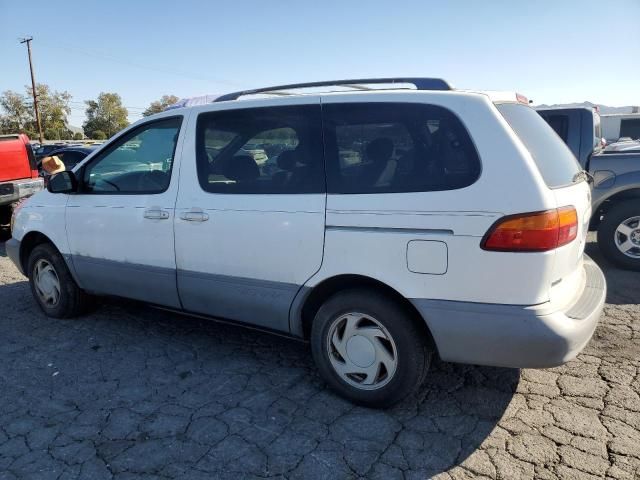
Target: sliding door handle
[156,214]
[194,215]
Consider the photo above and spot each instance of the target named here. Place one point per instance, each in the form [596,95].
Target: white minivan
[383,224]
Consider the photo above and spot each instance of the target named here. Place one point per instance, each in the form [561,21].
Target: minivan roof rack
[419,83]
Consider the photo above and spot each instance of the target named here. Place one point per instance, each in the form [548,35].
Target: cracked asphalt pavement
[132,392]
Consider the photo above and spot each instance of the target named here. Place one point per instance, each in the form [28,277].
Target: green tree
[99,135]
[19,116]
[16,115]
[105,114]
[52,134]
[78,136]
[160,105]
[54,109]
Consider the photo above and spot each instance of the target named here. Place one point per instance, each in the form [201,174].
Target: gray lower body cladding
[12,246]
[257,302]
[516,336]
[138,282]
[488,334]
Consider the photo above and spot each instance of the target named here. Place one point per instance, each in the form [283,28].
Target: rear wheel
[619,235]
[52,285]
[368,348]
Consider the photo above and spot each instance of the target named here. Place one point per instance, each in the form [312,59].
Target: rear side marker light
[532,232]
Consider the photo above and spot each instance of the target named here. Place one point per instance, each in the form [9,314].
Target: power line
[28,40]
[129,114]
[145,67]
[83,103]
[134,109]
[131,111]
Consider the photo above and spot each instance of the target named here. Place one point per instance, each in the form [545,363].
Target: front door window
[139,163]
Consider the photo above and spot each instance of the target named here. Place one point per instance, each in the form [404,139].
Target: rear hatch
[14,160]
[568,186]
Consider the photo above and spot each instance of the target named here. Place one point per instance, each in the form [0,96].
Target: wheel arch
[608,237]
[309,300]
[30,241]
[609,202]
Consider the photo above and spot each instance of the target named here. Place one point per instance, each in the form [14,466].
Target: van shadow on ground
[154,391]
[622,285]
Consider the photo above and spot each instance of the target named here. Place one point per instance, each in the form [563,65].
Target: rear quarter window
[554,160]
[395,148]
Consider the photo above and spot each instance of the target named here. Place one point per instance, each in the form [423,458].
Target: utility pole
[27,40]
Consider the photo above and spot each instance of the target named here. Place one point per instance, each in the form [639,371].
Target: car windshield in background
[555,161]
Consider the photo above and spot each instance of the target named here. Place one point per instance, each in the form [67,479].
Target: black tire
[5,214]
[607,229]
[413,351]
[72,300]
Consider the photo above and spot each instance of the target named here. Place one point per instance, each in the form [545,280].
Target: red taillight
[567,225]
[533,232]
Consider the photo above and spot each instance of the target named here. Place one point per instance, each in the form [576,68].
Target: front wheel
[619,235]
[52,285]
[368,348]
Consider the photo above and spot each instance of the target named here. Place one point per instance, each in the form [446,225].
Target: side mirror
[63,182]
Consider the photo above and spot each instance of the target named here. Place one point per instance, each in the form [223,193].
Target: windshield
[556,163]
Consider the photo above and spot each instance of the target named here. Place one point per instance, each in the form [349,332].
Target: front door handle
[194,215]
[156,214]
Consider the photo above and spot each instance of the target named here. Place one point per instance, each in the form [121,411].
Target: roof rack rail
[419,83]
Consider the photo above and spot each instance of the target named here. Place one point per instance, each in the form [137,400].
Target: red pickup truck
[18,173]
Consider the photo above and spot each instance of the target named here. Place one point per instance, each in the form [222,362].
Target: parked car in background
[46,149]
[623,145]
[619,125]
[578,127]
[417,245]
[616,182]
[71,156]
[18,173]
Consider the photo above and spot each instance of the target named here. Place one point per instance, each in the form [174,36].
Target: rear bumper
[516,336]
[12,246]
[14,190]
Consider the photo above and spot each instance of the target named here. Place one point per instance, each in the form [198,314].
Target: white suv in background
[385,225]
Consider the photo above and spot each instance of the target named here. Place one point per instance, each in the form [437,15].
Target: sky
[552,51]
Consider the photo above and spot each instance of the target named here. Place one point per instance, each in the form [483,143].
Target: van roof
[362,85]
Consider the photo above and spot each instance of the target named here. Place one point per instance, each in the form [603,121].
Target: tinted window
[630,128]
[560,124]
[139,162]
[396,147]
[261,150]
[555,161]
